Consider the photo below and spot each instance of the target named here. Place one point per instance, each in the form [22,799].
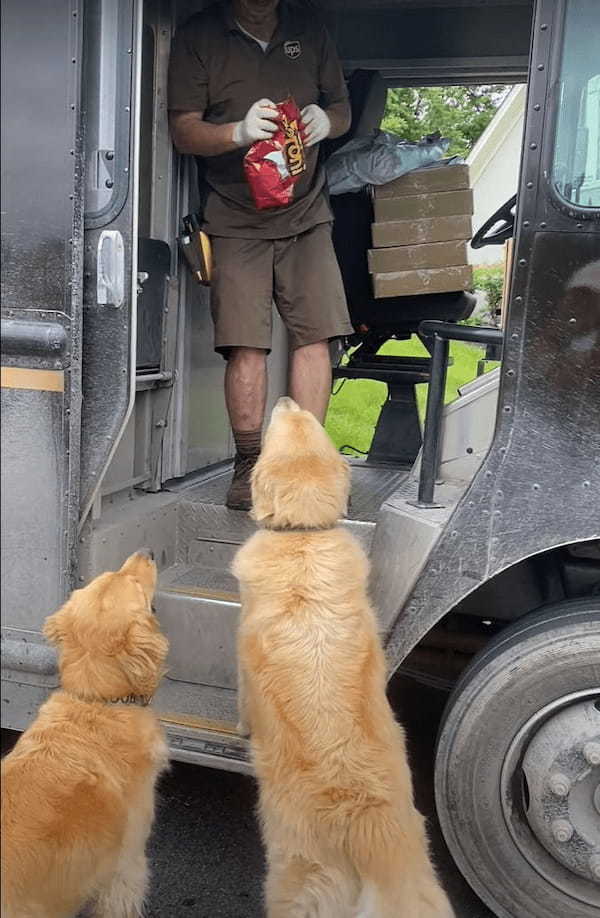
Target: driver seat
[397,437]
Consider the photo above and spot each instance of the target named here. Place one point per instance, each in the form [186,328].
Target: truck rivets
[562,830]
[559,784]
[591,753]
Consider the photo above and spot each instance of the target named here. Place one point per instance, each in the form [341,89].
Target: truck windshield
[576,166]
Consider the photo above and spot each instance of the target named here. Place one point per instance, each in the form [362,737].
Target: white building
[591,183]
[494,168]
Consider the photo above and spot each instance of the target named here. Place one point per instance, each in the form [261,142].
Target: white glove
[315,124]
[258,124]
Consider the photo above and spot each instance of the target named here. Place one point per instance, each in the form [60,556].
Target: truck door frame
[113,57]
[518,480]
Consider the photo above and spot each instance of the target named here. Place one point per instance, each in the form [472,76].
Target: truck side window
[106,89]
[576,164]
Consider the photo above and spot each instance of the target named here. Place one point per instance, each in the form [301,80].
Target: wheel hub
[561,770]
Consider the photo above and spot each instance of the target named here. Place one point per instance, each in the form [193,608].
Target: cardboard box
[421,206]
[424,181]
[416,232]
[430,255]
[427,280]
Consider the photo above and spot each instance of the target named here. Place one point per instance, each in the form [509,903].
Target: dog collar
[308,529]
[141,700]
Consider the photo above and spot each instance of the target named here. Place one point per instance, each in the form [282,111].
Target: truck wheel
[517,779]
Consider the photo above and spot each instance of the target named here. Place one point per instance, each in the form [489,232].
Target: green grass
[353,412]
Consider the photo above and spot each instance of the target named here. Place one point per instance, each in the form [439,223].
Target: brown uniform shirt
[218,70]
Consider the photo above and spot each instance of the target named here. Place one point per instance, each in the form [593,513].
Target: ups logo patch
[292,49]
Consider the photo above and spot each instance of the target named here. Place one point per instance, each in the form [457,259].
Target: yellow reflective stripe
[26,378]
[198,723]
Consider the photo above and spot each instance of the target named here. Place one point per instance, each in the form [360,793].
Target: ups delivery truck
[483,527]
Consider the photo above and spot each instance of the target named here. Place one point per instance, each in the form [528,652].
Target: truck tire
[517,778]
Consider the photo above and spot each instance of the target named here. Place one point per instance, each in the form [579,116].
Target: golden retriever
[342,834]
[78,788]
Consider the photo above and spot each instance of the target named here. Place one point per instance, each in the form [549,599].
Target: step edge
[191,721]
[205,746]
[200,593]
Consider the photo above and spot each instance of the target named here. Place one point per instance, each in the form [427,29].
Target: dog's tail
[391,857]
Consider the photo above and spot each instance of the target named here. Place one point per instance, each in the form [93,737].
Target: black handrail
[442,333]
[480,334]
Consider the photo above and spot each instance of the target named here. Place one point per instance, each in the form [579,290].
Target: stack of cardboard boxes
[422,226]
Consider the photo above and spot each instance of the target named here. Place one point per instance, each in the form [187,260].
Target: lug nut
[591,753]
[595,866]
[562,830]
[559,784]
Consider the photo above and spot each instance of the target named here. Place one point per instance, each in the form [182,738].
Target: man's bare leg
[246,387]
[245,395]
[310,378]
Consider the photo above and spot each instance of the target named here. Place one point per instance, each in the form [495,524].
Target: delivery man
[229,65]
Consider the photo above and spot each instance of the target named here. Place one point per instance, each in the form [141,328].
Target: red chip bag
[274,166]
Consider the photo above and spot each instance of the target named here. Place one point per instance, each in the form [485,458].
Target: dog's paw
[243,729]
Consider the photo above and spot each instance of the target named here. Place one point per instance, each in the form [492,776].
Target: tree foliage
[459,112]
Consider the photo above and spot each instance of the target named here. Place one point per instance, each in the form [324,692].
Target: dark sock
[248,442]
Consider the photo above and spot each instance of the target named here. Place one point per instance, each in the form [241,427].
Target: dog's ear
[142,656]
[57,625]
[263,487]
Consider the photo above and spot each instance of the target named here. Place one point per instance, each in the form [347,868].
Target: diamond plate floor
[371,485]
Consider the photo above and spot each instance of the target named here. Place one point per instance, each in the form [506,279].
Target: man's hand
[316,125]
[259,123]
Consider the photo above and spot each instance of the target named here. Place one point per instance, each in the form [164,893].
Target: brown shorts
[300,274]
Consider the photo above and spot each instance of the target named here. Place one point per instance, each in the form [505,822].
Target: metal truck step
[201,741]
[370,487]
[189,523]
[200,580]
[204,516]
[198,609]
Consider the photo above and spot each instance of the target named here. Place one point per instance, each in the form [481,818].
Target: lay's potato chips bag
[273,166]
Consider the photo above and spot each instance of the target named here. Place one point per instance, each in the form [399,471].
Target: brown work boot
[239,496]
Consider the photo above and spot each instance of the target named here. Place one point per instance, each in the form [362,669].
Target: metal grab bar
[442,333]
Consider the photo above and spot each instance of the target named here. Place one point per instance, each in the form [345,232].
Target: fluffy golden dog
[342,834]
[78,788]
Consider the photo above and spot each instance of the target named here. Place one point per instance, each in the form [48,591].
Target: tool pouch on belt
[196,248]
